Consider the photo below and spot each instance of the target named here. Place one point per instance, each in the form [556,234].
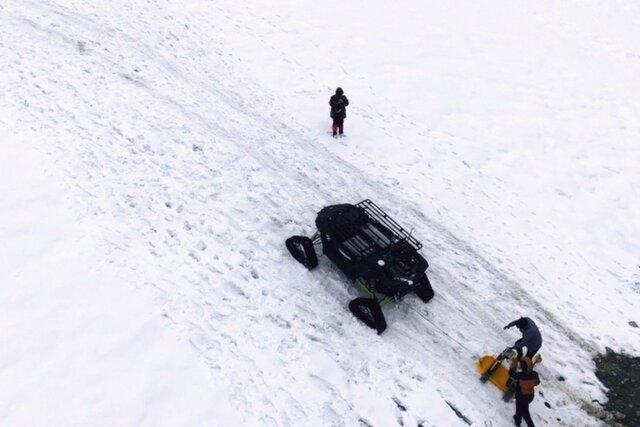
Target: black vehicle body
[370,248]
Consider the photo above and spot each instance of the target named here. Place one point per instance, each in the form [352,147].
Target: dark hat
[339,91]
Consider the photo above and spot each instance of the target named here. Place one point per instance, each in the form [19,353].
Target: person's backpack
[527,387]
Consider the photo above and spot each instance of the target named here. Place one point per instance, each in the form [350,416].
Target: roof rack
[375,212]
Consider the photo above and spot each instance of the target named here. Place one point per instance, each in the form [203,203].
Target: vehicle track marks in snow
[198,184]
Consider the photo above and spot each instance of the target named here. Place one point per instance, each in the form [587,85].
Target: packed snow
[155,155]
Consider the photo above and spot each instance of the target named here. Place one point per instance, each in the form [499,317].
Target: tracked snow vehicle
[372,250]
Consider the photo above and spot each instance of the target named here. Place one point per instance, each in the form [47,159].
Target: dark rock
[633,324]
[621,375]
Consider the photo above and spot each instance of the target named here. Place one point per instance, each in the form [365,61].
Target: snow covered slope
[155,156]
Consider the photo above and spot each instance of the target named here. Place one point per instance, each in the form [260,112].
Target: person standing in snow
[531,338]
[338,103]
[526,381]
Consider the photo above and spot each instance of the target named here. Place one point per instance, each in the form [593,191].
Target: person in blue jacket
[531,338]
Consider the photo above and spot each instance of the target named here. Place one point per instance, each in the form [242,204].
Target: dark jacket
[527,379]
[531,337]
[338,103]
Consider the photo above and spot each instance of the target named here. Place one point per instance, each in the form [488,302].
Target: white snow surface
[155,155]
